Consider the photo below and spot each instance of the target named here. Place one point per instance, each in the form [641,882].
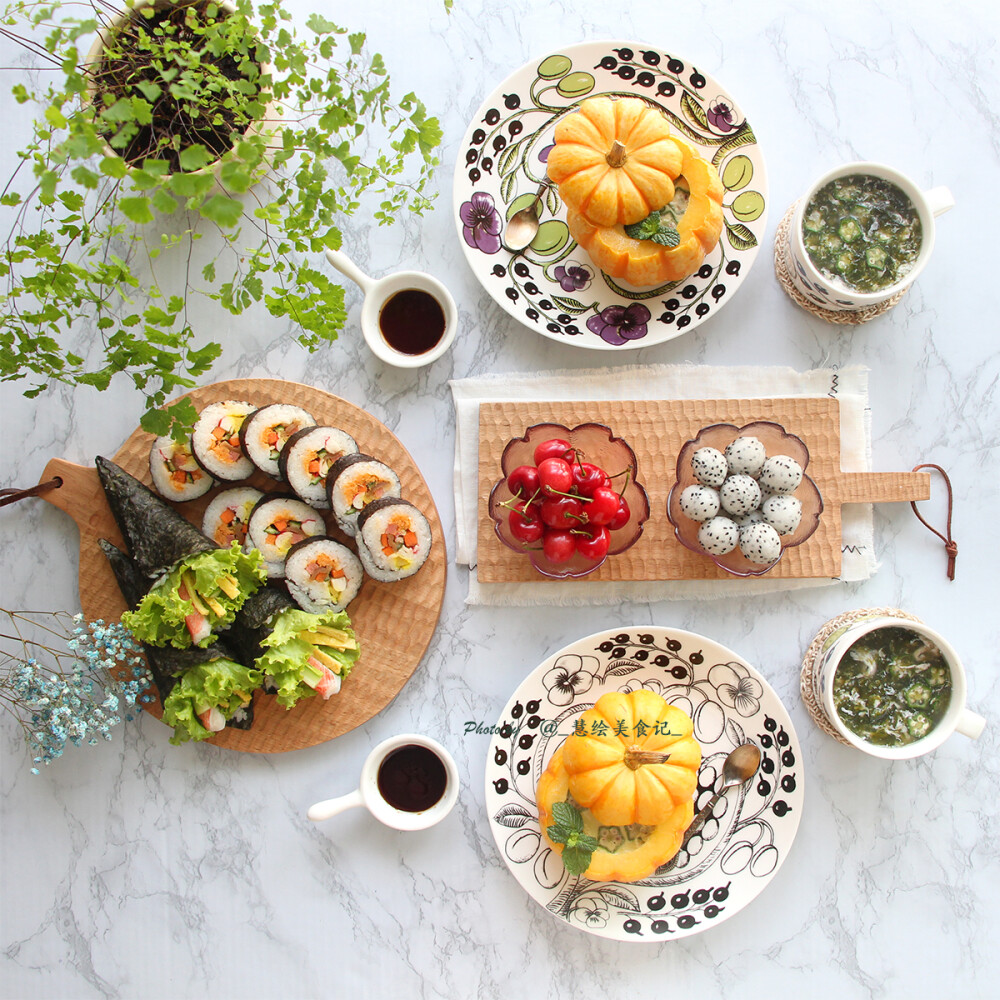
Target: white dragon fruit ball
[780,474]
[760,543]
[709,467]
[783,513]
[754,516]
[718,536]
[699,502]
[739,494]
[745,455]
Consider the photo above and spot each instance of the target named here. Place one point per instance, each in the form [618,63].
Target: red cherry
[553,448]
[594,546]
[623,516]
[587,477]
[555,475]
[558,546]
[562,512]
[603,506]
[523,481]
[524,523]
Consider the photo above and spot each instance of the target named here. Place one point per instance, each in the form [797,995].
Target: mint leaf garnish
[568,830]
[666,236]
[654,229]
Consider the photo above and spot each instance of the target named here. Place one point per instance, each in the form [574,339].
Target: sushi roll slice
[194,587]
[215,440]
[323,575]
[276,524]
[176,475]
[307,458]
[353,483]
[227,517]
[394,539]
[202,690]
[300,654]
[266,430]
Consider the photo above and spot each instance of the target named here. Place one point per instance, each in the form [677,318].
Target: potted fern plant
[214,113]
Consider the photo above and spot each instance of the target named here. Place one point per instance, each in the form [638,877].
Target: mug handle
[969,724]
[939,199]
[330,807]
[349,269]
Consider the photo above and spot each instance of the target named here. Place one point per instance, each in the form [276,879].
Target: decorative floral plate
[742,844]
[552,286]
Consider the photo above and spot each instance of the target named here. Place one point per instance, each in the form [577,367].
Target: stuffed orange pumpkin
[634,760]
[614,160]
[623,854]
[644,263]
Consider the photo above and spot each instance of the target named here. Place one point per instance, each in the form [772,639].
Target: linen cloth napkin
[849,385]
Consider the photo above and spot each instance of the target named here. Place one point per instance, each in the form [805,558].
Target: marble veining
[137,869]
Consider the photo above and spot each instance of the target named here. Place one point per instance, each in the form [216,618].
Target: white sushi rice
[224,531]
[385,524]
[176,475]
[215,440]
[266,430]
[359,484]
[323,575]
[307,458]
[276,524]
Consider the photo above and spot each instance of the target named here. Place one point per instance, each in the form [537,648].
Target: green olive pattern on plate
[552,286]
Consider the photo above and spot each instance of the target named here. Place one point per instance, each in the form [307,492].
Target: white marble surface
[137,869]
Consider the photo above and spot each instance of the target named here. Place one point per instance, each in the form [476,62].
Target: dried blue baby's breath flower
[70,680]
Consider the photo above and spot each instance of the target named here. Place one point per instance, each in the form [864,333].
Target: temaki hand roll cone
[199,587]
[202,690]
[301,653]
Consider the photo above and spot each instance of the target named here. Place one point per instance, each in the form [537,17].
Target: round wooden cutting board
[394,622]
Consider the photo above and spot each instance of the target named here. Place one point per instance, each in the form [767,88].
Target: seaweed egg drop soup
[892,687]
[862,231]
[412,321]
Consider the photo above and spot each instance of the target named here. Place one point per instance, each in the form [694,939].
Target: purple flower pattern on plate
[481,223]
[573,277]
[720,115]
[619,324]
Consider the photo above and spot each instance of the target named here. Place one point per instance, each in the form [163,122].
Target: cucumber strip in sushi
[308,457]
[215,440]
[276,524]
[394,539]
[300,654]
[227,516]
[354,482]
[176,475]
[323,575]
[265,432]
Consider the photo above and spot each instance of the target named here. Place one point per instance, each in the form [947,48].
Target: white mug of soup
[893,688]
[862,234]
[408,319]
[408,782]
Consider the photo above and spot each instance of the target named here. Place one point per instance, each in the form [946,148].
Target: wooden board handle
[884,487]
[81,496]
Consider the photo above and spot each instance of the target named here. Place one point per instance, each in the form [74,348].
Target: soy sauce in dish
[412,778]
[412,321]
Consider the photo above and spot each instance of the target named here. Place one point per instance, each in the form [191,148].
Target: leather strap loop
[13,495]
[950,545]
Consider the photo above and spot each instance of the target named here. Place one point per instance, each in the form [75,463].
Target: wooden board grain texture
[656,431]
[394,622]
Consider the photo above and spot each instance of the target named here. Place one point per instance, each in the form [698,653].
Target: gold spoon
[523,225]
[740,766]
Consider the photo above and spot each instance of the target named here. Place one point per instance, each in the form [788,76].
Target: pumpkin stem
[635,758]
[617,154]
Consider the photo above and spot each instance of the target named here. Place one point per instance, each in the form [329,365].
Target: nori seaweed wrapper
[254,620]
[167,663]
[157,536]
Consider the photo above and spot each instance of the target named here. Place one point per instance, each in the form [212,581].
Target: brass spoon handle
[703,813]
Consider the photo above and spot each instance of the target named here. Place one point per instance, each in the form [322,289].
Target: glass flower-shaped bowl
[776,441]
[593,443]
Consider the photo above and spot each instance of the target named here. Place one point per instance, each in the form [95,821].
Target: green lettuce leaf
[286,658]
[222,684]
[160,617]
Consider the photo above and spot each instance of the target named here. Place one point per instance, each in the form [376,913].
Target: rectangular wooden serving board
[657,430]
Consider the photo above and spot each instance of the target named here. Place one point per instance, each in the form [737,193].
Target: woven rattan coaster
[783,269]
[806,686]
